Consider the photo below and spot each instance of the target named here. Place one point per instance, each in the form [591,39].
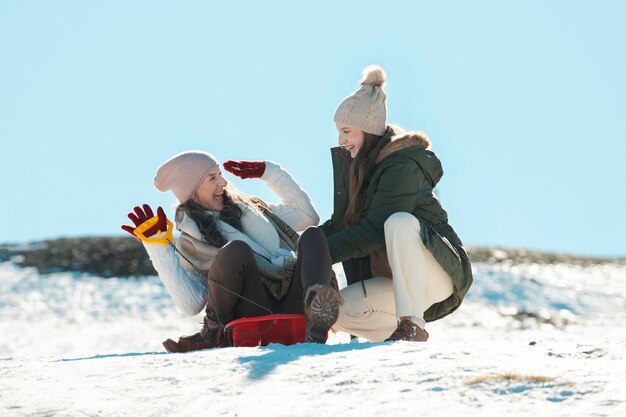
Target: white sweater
[190,291]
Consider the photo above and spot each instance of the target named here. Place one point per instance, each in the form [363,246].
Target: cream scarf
[258,232]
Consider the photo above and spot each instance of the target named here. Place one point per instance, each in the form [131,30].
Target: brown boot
[408,331]
[321,309]
[211,336]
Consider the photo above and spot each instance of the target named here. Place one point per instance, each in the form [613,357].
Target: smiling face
[210,193]
[350,138]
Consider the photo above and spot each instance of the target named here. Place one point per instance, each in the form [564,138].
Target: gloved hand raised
[245,169]
[139,216]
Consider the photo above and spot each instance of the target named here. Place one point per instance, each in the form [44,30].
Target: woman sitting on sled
[235,254]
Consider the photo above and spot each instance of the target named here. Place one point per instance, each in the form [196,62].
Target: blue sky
[525,103]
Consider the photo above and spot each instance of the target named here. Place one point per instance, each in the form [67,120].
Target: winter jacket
[268,230]
[400,175]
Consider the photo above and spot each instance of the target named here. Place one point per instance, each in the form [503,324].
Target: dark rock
[5,254]
[102,256]
[495,255]
[126,257]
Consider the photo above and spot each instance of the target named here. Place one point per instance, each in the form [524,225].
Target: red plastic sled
[286,329]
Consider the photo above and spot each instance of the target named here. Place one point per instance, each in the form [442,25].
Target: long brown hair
[356,175]
[208,225]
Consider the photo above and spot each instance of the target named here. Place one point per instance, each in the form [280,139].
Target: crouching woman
[404,263]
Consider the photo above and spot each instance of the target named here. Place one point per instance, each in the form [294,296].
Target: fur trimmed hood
[416,146]
[404,141]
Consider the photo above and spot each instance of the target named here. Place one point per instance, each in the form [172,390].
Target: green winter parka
[400,175]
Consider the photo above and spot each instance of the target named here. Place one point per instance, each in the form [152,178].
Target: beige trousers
[418,283]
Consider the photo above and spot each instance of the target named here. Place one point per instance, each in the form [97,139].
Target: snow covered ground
[529,340]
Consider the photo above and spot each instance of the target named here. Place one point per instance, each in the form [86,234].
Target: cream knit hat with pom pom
[366,108]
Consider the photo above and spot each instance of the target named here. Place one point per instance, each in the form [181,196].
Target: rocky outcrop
[126,257]
[522,256]
[102,256]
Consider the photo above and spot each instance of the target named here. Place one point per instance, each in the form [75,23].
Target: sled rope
[168,239]
[200,273]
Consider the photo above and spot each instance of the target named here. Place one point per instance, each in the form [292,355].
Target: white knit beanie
[366,108]
[183,173]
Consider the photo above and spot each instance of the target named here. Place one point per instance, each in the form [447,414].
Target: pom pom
[374,75]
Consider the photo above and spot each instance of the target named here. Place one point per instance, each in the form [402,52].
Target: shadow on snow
[113,355]
[274,355]
[263,360]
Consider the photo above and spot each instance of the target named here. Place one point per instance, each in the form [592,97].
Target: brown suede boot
[211,336]
[321,309]
[197,341]
[408,331]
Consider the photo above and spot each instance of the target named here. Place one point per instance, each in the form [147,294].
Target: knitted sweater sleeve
[295,207]
[189,294]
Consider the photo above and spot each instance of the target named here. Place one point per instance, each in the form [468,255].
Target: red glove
[138,216]
[245,169]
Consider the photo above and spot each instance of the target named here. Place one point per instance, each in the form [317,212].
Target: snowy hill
[530,338]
